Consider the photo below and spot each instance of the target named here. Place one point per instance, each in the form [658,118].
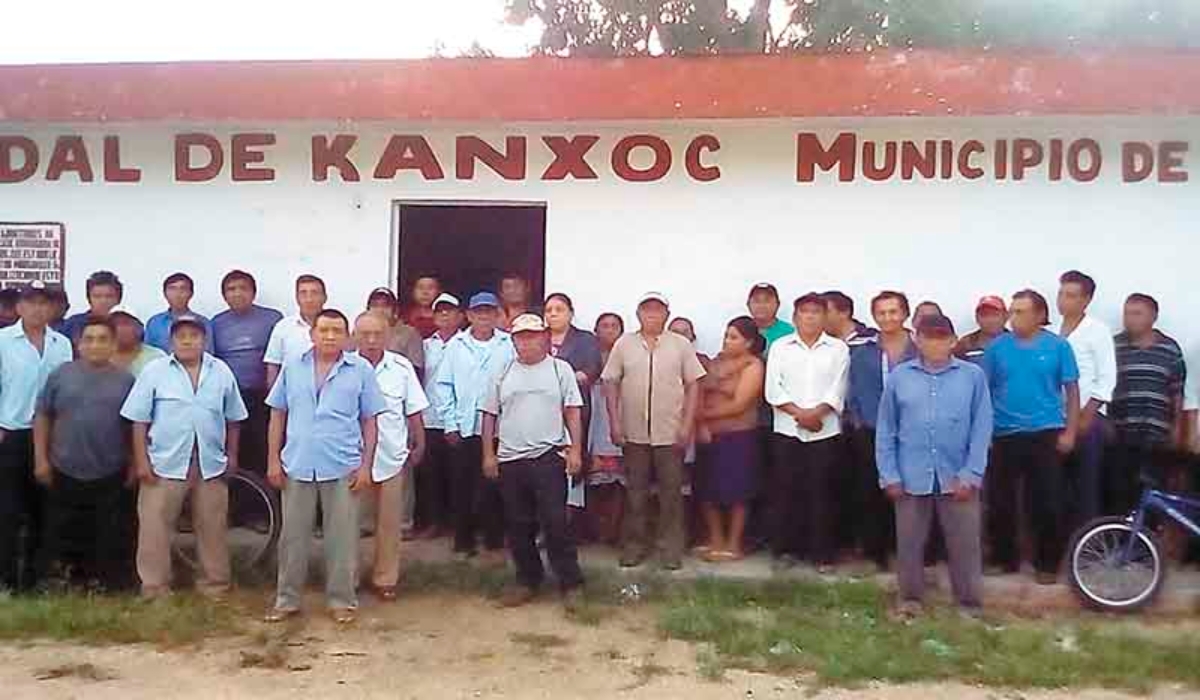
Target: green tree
[674,27]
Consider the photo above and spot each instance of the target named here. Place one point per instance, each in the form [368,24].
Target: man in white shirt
[806,383]
[1092,342]
[401,444]
[292,336]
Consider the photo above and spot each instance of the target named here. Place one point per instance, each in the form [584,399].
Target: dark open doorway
[470,245]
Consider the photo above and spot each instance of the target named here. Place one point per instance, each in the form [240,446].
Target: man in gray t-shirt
[534,409]
[82,456]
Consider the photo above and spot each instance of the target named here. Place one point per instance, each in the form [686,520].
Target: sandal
[343,616]
[277,615]
[385,593]
[724,555]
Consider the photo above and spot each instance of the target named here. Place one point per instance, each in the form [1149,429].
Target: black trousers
[1127,460]
[801,488]
[433,483]
[535,494]
[478,505]
[20,511]
[85,536]
[874,520]
[252,447]
[1026,466]
[758,520]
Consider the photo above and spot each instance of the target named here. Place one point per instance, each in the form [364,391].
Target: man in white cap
[534,409]
[434,516]
[651,394]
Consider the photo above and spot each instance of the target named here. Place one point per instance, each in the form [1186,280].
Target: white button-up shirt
[290,338]
[402,397]
[808,376]
[1095,354]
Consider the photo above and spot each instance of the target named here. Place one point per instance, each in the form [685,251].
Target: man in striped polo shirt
[1146,409]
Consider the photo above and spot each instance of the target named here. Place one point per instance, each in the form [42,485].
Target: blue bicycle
[1116,563]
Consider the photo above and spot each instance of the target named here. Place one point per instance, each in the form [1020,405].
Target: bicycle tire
[1087,539]
[270,500]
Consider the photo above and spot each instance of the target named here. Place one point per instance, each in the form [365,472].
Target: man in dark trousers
[29,352]
[533,409]
[82,455]
[1031,372]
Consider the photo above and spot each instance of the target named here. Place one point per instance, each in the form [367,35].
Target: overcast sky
[72,31]
[59,31]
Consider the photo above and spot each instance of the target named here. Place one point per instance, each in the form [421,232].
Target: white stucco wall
[701,243]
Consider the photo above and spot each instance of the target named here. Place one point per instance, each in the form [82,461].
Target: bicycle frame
[1174,506]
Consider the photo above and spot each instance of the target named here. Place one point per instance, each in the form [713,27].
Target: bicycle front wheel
[1115,568]
[254,524]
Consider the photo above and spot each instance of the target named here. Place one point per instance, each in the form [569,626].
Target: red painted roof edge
[916,83]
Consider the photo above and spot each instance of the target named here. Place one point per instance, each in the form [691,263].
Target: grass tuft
[841,633]
[538,642]
[174,621]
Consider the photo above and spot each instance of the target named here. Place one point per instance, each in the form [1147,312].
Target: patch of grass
[538,642]
[174,621]
[840,632]
[645,673]
[710,665]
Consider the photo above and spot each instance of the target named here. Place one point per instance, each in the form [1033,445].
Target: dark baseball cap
[935,326]
[763,288]
[35,289]
[188,320]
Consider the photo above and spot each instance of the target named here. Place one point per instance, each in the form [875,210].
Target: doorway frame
[396,234]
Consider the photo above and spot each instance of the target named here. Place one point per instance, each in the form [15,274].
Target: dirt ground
[431,646]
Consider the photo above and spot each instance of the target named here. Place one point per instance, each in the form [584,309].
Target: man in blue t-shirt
[1035,393]
[240,337]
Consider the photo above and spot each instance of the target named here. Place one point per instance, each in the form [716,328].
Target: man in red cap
[991,314]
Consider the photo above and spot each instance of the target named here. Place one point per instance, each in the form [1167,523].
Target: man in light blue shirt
[931,445]
[433,483]
[326,401]
[178,289]
[185,410]
[29,352]
[472,358]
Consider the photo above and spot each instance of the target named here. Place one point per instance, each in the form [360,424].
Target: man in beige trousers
[401,445]
[185,410]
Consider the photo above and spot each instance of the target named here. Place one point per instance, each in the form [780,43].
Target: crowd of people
[496,421]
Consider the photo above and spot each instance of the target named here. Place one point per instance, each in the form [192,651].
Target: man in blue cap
[472,359]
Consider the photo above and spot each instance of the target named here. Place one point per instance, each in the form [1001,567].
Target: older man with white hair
[400,446]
